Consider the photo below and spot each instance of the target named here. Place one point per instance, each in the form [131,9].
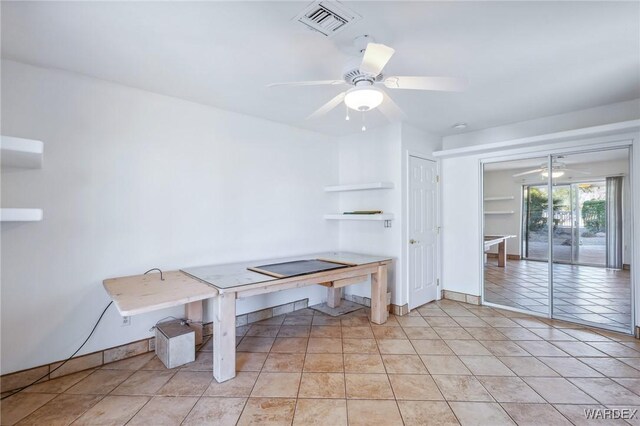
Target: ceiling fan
[558,169]
[366,76]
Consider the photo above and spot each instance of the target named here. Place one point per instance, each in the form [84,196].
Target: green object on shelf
[364,212]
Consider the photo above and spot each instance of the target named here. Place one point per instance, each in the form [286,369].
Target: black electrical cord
[155,269]
[66,360]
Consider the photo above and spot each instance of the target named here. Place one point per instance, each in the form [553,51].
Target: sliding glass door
[565,222]
[517,284]
[591,278]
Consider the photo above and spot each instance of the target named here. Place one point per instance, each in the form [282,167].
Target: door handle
[412,241]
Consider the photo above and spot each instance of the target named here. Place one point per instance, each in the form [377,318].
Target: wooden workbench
[501,241]
[227,283]
[236,281]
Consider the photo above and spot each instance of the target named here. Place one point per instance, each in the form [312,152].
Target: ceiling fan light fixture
[363,98]
[554,174]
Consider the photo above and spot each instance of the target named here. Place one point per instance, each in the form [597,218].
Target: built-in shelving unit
[19,153]
[359,187]
[367,186]
[505,198]
[20,215]
[339,216]
[500,212]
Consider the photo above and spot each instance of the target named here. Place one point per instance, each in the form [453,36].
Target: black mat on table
[299,267]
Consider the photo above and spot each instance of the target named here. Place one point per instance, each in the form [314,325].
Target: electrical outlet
[126,321]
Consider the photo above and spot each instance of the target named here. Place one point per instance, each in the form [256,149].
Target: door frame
[405,228]
[617,143]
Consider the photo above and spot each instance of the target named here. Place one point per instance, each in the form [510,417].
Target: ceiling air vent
[327,17]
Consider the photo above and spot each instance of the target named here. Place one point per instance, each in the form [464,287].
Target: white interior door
[423,231]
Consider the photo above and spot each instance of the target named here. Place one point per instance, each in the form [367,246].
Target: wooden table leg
[502,253]
[379,312]
[224,337]
[333,297]
[194,314]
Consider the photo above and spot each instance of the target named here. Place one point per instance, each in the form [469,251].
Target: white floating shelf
[21,153]
[338,216]
[20,215]
[510,197]
[359,187]
[501,212]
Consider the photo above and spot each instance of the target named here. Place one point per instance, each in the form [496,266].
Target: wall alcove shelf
[359,187]
[19,153]
[20,215]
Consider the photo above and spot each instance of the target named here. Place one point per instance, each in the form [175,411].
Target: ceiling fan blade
[576,171]
[328,106]
[445,84]
[309,83]
[391,110]
[529,172]
[375,58]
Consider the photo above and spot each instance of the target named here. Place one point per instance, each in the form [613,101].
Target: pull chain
[347,113]
[364,127]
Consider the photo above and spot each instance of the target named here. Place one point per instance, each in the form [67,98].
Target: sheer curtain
[614,222]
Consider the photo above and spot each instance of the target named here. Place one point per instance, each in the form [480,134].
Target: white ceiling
[523,60]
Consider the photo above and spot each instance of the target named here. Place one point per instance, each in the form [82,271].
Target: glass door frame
[550,154]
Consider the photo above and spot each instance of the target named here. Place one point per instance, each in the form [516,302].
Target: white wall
[612,113]
[134,180]
[372,156]
[380,154]
[461,258]
[500,183]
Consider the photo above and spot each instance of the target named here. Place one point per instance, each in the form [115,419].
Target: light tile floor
[586,293]
[446,363]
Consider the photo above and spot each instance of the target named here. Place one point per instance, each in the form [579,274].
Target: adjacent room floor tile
[62,409]
[368,386]
[607,392]
[462,388]
[323,363]
[444,364]
[373,412]
[414,387]
[218,411]
[187,383]
[422,413]
[114,410]
[21,405]
[510,389]
[535,414]
[284,363]
[239,386]
[557,390]
[405,364]
[480,413]
[486,366]
[268,411]
[276,385]
[322,385]
[321,412]
[363,363]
